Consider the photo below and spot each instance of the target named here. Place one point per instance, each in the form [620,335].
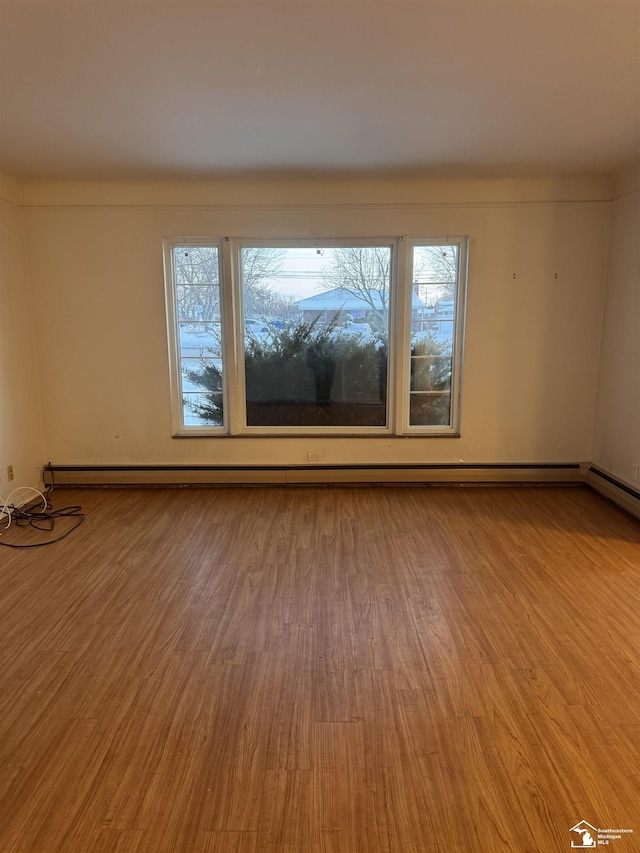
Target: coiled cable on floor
[38,514]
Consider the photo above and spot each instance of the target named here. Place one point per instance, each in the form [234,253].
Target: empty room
[319,426]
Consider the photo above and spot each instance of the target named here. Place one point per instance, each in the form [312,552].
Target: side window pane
[433,313]
[197,287]
[316,330]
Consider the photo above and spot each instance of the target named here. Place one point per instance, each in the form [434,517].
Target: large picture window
[342,337]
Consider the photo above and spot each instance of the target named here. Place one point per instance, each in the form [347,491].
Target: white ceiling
[460,87]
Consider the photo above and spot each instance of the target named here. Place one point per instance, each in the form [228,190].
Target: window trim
[232,326]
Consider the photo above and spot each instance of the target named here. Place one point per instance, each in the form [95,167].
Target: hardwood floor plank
[226,842]
[321,670]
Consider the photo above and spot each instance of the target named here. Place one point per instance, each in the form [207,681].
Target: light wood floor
[320,670]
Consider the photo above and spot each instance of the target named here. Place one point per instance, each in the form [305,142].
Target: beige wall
[21,442]
[617,426]
[532,342]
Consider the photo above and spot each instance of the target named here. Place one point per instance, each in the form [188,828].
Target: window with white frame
[334,337]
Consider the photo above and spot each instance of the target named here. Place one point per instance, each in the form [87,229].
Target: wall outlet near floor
[314,456]
[9,473]
[636,473]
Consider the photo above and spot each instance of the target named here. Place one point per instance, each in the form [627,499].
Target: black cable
[50,541]
[48,487]
[40,512]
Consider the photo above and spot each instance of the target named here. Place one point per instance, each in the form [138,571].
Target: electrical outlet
[636,473]
[9,473]
[314,456]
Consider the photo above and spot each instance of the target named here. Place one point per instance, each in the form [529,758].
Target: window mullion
[460,324]
[400,332]
[172,326]
[234,380]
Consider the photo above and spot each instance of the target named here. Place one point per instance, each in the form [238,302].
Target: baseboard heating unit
[169,475]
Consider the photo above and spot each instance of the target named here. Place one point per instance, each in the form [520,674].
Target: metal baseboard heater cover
[623,494]
[140,475]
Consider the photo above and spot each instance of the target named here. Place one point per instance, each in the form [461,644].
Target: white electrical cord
[8,504]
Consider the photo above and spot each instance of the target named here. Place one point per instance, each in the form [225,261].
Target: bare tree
[436,270]
[363,271]
[259,264]
[197,275]
[197,282]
